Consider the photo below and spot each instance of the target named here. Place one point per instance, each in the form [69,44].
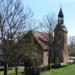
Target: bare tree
[71,45]
[48,26]
[13,20]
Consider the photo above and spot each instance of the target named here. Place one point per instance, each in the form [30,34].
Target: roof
[61,27]
[60,13]
[42,39]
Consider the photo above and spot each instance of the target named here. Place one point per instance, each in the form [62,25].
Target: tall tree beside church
[48,25]
[13,20]
[71,45]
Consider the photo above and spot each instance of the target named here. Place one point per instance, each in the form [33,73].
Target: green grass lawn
[68,70]
[12,71]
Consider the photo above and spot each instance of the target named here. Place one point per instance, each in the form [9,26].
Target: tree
[31,59]
[13,20]
[48,26]
[71,45]
[30,51]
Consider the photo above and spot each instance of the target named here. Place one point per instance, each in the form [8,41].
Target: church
[59,51]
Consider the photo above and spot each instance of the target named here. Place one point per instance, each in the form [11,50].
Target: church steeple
[60,17]
[60,40]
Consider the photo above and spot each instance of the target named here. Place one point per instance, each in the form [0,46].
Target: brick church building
[59,51]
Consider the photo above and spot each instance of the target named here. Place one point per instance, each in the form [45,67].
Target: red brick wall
[45,58]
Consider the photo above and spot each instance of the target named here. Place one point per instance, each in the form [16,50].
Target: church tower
[60,40]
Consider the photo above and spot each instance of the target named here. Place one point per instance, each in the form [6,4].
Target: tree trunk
[24,70]
[49,57]
[16,70]
[49,62]
[16,67]
[5,69]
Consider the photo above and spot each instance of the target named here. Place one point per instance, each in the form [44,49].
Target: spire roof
[60,13]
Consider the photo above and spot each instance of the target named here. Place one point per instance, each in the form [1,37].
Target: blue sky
[44,7]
